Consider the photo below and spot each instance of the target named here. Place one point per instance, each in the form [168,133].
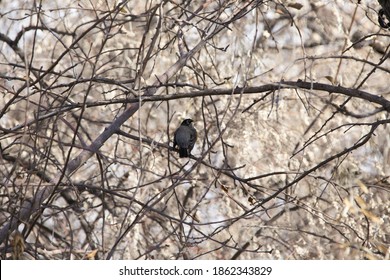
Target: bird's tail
[183,152]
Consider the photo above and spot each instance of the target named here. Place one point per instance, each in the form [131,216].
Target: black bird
[384,14]
[185,138]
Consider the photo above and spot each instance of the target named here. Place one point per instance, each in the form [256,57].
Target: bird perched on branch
[185,138]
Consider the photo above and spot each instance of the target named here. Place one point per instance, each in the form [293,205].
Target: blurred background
[278,172]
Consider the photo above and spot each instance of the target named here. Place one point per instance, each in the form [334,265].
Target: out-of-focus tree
[290,100]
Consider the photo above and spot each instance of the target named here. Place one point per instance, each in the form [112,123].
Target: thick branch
[378,100]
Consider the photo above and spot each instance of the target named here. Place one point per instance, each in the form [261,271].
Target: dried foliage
[290,100]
